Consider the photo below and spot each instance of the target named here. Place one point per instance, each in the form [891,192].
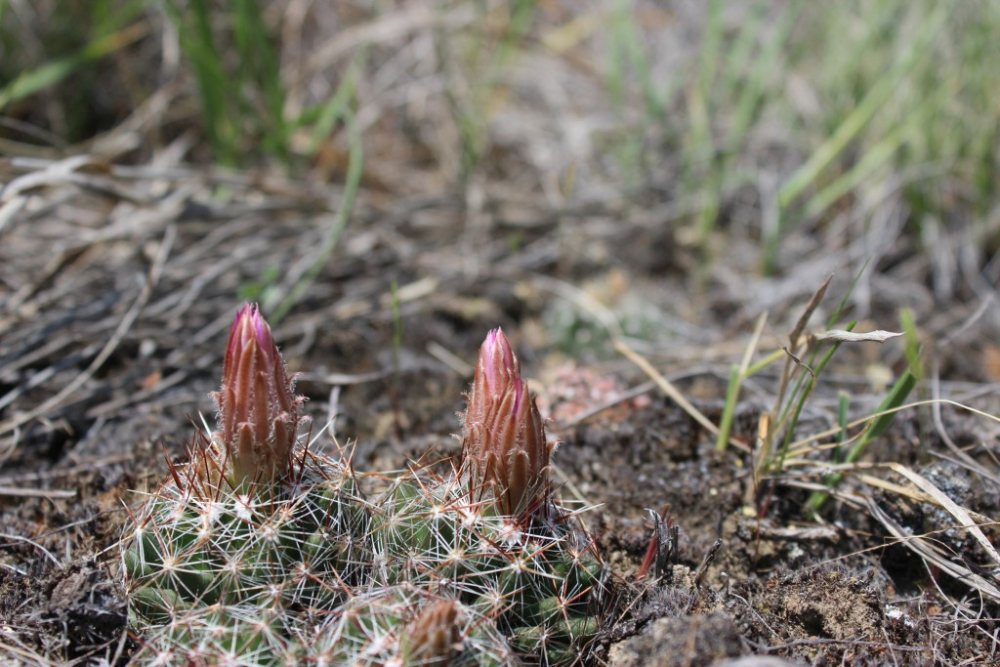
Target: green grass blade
[858,119]
[338,106]
[799,399]
[895,398]
[843,413]
[726,422]
[886,413]
[52,73]
[351,186]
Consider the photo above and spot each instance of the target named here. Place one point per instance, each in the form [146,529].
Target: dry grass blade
[803,321]
[925,549]
[21,655]
[10,208]
[840,335]
[961,514]
[928,493]
[19,492]
[153,277]
[25,540]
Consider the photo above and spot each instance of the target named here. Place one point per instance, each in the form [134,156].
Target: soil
[821,591]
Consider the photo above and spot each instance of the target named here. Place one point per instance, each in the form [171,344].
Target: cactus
[259,552]
[404,626]
[249,520]
[540,587]
[491,534]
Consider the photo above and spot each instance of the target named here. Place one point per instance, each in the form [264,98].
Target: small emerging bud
[258,410]
[433,638]
[503,443]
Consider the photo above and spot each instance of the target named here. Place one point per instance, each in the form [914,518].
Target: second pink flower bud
[505,453]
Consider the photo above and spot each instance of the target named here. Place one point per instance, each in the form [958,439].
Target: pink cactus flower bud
[503,443]
[258,409]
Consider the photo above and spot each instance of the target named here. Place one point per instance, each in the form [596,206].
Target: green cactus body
[310,573]
[291,549]
[242,635]
[539,585]
[405,626]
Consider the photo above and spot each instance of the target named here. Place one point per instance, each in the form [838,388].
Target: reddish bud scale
[258,411]
[503,443]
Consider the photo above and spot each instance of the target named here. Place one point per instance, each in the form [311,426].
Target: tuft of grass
[873,98]
[806,357]
[242,98]
[883,416]
[910,55]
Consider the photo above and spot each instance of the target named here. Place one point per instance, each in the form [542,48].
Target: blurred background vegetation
[806,110]
[784,140]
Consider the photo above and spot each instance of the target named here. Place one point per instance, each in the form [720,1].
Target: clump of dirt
[818,603]
[681,641]
[74,610]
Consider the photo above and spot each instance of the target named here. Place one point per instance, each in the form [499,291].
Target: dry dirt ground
[112,341]
[123,262]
